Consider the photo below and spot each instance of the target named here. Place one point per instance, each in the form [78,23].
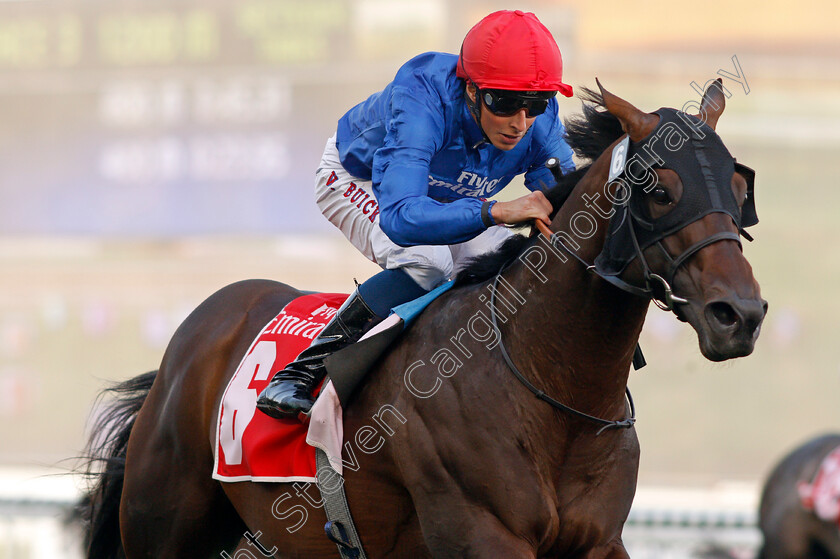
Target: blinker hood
[694,151]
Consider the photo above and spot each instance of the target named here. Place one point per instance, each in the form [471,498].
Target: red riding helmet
[512,50]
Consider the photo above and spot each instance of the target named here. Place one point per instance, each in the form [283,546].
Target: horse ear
[714,101]
[638,124]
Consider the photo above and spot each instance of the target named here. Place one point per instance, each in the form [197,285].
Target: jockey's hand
[531,206]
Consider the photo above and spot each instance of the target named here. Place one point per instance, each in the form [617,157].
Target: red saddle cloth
[250,446]
[822,495]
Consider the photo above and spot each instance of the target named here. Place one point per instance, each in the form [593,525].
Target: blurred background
[154,151]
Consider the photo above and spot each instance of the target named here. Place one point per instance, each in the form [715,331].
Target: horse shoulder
[453,434]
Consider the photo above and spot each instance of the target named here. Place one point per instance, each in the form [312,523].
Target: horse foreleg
[613,550]
[457,532]
[483,544]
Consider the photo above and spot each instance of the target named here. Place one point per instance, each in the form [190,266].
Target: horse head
[681,205]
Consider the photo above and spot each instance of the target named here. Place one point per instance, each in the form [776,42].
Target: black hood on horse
[688,146]
[591,133]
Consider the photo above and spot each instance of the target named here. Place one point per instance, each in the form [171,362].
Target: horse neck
[575,334]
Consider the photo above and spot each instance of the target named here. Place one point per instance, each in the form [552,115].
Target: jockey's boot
[290,391]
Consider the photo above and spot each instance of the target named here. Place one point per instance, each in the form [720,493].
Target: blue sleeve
[539,177]
[410,218]
[415,132]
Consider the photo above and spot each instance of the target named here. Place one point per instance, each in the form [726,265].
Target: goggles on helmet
[502,102]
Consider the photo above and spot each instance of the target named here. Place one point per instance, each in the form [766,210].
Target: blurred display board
[168,118]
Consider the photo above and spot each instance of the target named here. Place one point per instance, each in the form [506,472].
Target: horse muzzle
[727,327]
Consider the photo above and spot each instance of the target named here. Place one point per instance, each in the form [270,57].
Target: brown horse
[468,462]
[790,530]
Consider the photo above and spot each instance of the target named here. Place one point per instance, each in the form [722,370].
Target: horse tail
[104,466]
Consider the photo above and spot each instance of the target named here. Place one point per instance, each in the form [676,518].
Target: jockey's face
[504,132]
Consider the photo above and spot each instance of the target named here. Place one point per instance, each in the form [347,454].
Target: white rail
[665,523]
[37,529]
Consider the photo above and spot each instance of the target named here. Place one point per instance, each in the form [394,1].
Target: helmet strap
[474,107]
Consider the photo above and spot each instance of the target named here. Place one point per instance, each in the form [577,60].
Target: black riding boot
[290,391]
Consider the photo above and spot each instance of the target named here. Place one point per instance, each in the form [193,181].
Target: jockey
[407,175]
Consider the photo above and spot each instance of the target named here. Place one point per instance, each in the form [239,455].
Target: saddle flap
[348,367]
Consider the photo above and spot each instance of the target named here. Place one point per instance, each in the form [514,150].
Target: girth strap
[339,527]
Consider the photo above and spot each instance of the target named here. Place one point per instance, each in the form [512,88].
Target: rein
[606,423]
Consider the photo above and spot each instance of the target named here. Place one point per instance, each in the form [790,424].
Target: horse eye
[660,196]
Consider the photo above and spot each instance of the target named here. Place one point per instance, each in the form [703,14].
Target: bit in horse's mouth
[678,312]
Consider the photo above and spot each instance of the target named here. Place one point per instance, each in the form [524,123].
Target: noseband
[653,281]
[668,299]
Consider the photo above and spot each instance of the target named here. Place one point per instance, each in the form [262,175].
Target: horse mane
[588,134]
[594,130]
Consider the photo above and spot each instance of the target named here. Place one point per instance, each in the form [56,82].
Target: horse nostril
[723,314]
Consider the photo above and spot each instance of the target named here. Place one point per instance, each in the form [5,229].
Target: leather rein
[667,303]
[605,423]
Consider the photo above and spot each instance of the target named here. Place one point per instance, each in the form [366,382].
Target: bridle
[658,287]
[668,302]
[698,166]
[653,282]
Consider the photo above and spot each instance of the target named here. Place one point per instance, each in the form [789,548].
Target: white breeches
[349,204]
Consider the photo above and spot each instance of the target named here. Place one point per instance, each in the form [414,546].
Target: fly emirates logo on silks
[469,184]
[304,327]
